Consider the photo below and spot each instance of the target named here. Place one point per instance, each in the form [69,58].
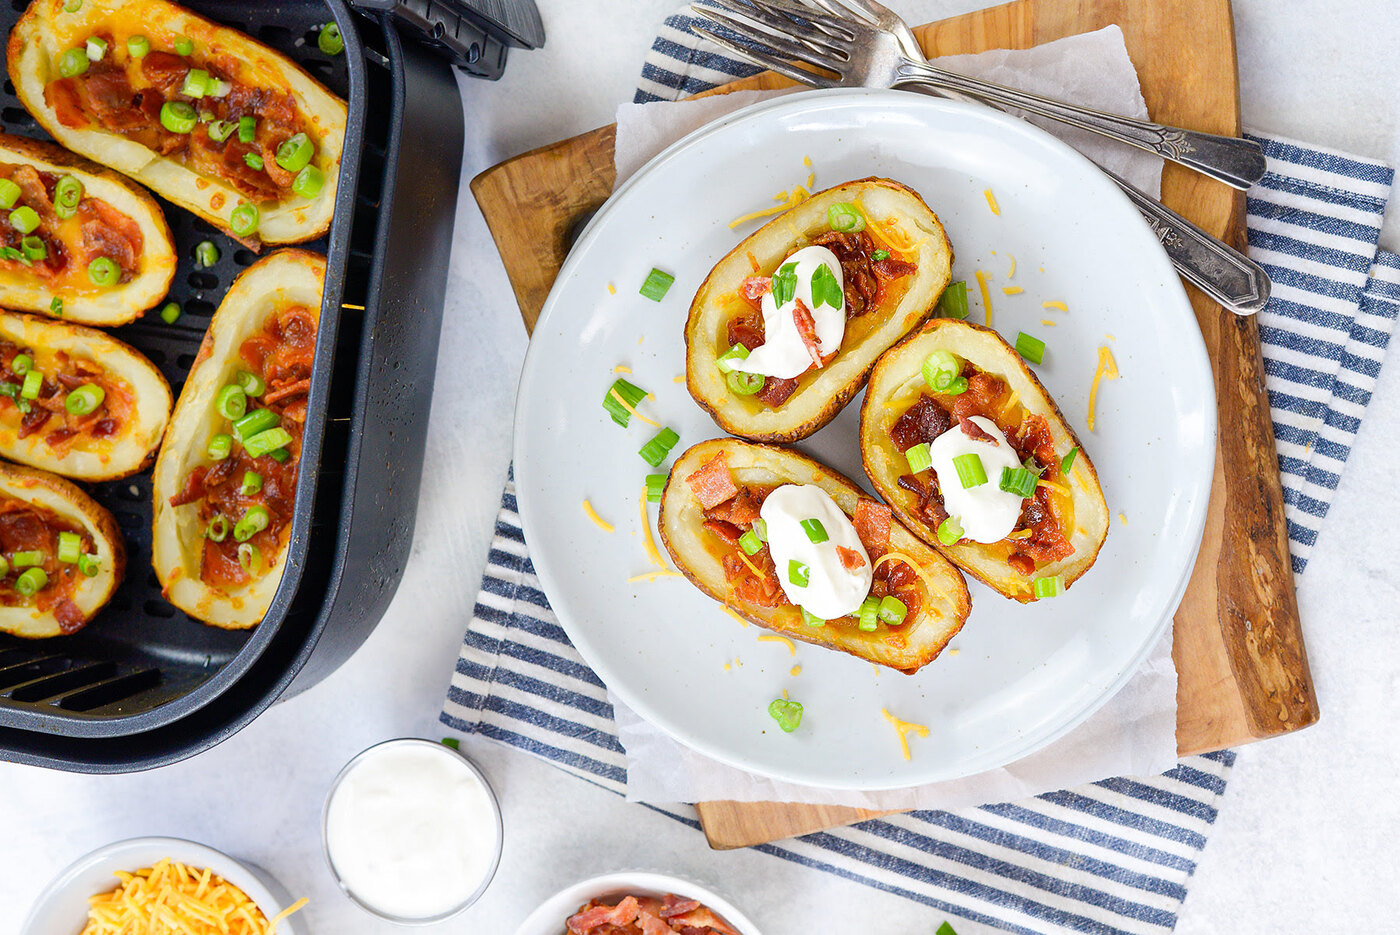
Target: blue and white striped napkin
[1109,857]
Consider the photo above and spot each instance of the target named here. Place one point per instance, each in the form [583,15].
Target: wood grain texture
[1242,668]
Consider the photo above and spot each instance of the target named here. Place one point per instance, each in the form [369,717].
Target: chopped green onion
[845,217]
[221,130]
[231,402]
[1068,461]
[1030,347]
[89,565]
[656,485]
[27,559]
[254,161]
[970,470]
[825,289]
[252,483]
[24,219]
[10,253]
[760,529]
[249,558]
[452,742]
[266,442]
[34,247]
[104,271]
[919,458]
[750,542]
[56,307]
[953,303]
[798,573]
[868,610]
[67,193]
[84,399]
[247,129]
[70,547]
[631,395]
[21,364]
[880,255]
[31,582]
[892,610]
[206,254]
[1030,465]
[196,83]
[330,41]
[95,48]
[787,713]
[138,46]
[659,446]
[785,283]
[73,63]
[220,446]
[811,619]
[725,361]
[178,116]
[950,531]
[1018,481]
[170,313]
[816,532]
[245,219]
[253,522]
[4,566]
[9,194]
[218,528]
[744,384]
[957,387]
[183,45]
[72,6]
[1049,586]
[308,182]
[945,929]
[259,420]
[295,153]
[940,369]
[657,284]
[219,88]
[280,455]
[33,380]
[252,384]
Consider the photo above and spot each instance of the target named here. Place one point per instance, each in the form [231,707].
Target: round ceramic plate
[1017,676]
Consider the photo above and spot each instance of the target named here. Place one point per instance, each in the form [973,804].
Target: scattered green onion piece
[84,399]
[1030,465]
[631,394]
[760,529]
[330,41]
[72,6]
[953,303]
[750,542]
[206,254]
[104,271]
[4,566]
[249,557]
[825,289]
[252,384]
[1068,461]
[266,442]
[27,559]
[787,713]
[725,361]
[919,458]
[10,253]
[219,88]
[31,582]
[950,531]
[657,284]
[295,153]
[254,161]
[218,528]
[744,384]
[33,380]
[183,45]
[70,548]
[231,402]
[1049,586]
[24,219]
[259,420]
[869,608]
[221,130]
[940,369]
[452,742]
[811,619]
[816,532]
[253,522]
[138,46]
[656,485]
[247,129]
[252,483]
[96,48]
[945,929]
[220,446]
[89,565]
[308,182]
[280,455]
[970,470]
[73,63]
[1018,481]
[21,364]
[957,387]
[34,248]
[170,313]
[244,219]
[798,573]
[196,83]
[785,283]
[67,193]
[56,306]
[845,217]
[892,610]
[1030,347]
[660,445]
[178,116]
[879,255]
[9,194]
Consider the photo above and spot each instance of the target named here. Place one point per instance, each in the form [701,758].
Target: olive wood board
[1241,666]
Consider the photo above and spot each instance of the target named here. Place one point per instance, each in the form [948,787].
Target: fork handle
[1234,161]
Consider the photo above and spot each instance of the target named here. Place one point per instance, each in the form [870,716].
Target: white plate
[1023,675]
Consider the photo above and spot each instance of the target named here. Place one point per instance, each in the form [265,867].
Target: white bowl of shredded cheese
[152,876]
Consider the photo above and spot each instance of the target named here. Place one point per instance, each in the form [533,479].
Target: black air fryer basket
[143,684]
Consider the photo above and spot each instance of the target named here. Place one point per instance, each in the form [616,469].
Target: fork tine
[769,29]
[838,26]
[844,11]
[764,60]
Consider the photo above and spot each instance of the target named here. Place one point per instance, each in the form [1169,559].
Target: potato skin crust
[906,648]
[898,373]
[818,401]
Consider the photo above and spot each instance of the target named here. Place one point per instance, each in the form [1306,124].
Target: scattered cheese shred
[1019,534]
[1122,519]
[986,296]
[1054,485]
[171,898]
[1106,370]
[593,515]
[785,694]
[991,203]
[742,621]
[622,368]
[905,728]
[1012,290]
[678,378]
[752,567]
[775,638]
[954,651]
[727,667]
[1110,337]
[653,575]
[738,663]
[1011,400]
[795,671]
[1059,305]
[896,556]
[890,231]
[1049,322]
[612,290]
[786,200]
[1011,273]
[625,405]
[649,542]
[902,402]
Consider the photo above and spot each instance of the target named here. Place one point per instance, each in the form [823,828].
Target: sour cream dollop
[986,512]
[782,353]
[832,590]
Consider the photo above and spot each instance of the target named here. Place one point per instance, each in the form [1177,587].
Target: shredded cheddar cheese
[727,667]
[1122,519]
[785,694]
[891,233]
[172,898]
[622,368]
[1011,273]
[742,621]
[1012,290]
[1110,337]
[1012,400]
[678,378]
[897,556]
[904,728]
[649,542]
[902,402]
[986,296]
[1106,370]
[786,200]
[598,520]
[954,651]
[752,567]
[1059,305]
[653,575]
[795,671]
[775,638]
[991,203]
[612,290]
[1019,534]
[1053,485]
[1049,322]
[626,405]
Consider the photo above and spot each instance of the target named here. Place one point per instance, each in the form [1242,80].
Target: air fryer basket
[144,684]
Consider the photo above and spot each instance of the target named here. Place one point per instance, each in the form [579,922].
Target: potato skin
[71,504]
[818,401]
[136,446]
[906,648]
[45,31]
[279,279]
[898,373]
[111,306]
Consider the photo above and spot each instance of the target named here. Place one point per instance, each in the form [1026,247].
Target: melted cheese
[904,728]
[593,515]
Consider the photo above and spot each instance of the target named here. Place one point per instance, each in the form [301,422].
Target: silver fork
[1223,273]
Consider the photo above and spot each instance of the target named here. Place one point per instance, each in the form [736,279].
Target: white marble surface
[1306,836]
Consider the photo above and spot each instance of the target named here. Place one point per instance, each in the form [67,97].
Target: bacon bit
[741,510]
[624,913]
[975,432]
[872,522]
[285,392]
[890,268]
[807,331]
[755,287]
[712,482]
[1022,563]
[850,559]
[673,905]
[70,616]
[726,531]
[775,391]
[746,330]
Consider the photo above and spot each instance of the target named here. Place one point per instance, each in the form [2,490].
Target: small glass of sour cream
[412,831]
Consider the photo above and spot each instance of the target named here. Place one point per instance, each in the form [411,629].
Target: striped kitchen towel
[1109,857]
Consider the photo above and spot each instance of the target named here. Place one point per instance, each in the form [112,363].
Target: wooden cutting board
[1242,670]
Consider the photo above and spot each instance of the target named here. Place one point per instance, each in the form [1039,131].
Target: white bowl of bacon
[636,903]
